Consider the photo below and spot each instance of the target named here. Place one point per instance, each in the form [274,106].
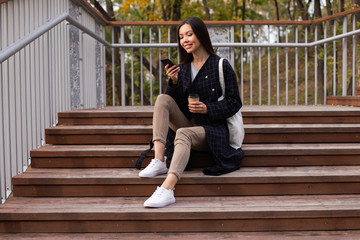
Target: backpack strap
[143,155]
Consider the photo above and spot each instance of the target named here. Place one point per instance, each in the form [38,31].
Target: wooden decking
[300,175]
[303,235]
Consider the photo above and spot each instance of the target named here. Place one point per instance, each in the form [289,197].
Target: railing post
[325,63]
[132,67]
[232,51]
[344,58]
[122,63]
[141,71]
[150,66]
[269,70]
[287,67]
[334,61]
[296,65]
[306,66]
[260,87]
[316,67]
[354,57]
[3,170]
[277,69]
[242,63]
[251,72]
[75,60]
[113,64]
[159,62]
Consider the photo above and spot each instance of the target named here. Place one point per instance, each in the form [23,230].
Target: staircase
[300,177]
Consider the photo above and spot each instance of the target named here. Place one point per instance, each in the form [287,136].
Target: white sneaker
[155,167]
[160,198]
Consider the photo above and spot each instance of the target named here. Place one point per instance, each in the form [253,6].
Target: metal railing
[46,66]
[286,62]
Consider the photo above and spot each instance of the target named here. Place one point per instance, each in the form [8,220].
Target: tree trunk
[291,16]
[328,8]
[303,10]
[236,8]
[176,16]
[277,10]
[342,5]
[243,10]
[329,11]
[317,13]
[207,14]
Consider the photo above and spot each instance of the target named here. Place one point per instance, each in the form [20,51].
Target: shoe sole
[153,175]
[160,205]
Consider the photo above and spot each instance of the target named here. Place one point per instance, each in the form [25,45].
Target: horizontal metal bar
[239,44]
[14,48]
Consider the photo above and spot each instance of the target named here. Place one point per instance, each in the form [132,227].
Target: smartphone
[167,61]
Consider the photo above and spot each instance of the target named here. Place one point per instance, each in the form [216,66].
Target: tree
[303,9]
[243,10]
[206,9]
[291,16]
[277,10]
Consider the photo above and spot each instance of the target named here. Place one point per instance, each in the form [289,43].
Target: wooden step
[302,133]
[251,114]
[189,214]
[256,155]
[254,133]
[297,114]
[102,134]
[139,115]
[283,235]
[246,181]
[344,100]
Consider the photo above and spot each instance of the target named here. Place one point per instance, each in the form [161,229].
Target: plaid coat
[207,85]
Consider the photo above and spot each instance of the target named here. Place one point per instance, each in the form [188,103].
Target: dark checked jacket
[207,85]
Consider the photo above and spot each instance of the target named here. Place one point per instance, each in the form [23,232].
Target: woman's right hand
[172,73]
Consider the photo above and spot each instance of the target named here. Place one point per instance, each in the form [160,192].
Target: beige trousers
[188,135]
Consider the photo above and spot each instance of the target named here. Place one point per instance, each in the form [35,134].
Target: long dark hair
[201,32]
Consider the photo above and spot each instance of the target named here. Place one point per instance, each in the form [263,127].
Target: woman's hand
[198,107]
[172,73]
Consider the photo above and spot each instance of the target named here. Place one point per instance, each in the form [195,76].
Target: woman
[199,125]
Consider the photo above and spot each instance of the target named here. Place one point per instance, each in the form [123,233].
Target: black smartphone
[167,61]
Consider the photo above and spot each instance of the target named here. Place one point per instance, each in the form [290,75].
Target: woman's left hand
[198,107]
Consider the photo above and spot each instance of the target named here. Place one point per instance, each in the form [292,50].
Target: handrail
[17,46]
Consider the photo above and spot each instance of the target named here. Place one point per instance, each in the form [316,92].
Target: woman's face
[188,39]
